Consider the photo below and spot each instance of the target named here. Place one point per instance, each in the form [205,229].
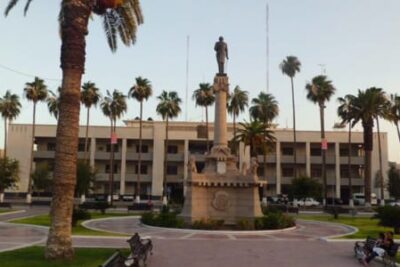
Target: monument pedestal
[221,192]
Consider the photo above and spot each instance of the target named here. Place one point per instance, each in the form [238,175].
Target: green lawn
[366,226]
[44,220]
[33,257]
[5,210]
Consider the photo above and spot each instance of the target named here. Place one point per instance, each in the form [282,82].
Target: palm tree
[237,102]
[204,97]
[90,96]
[290,66]
[264,108]
[168,108]
[393,114]
[10,108]
[140,91]
[113,106]
[120,18]
[35,91]
[319,91]
[368,105]
[53,102]
[346,113]
[255,135]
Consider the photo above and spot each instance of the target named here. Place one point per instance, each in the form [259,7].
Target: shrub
[80,214]
[245,224]
[164,219]
[389,216]
[208,224]
[274,220]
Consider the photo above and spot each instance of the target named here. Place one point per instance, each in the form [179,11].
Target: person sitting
[383,244]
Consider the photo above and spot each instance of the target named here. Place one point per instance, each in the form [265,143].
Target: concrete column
[158,159]
[278,168]
[308,159]
[92,152]
[221,88]
[337,169]
[123,167]
[185,164]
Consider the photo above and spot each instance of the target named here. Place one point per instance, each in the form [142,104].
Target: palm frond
[10,6]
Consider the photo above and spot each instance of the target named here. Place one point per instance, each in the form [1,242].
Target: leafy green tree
[120,20]
[113,106]
[85,178]
[10,108]
[319,91]
[346,113]
[204,97]
[389,216]
[237,103]
[9,174]
[393,185]
[290,66]
[368,104]
[41,178]
[142,90]
[35,91]
[168,108]
[90,96]
[303,187]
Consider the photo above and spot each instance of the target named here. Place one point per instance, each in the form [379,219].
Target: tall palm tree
[120,18]
[90,96]
[53,102]
[346,113]
[113,106]
[393,114]
[204,97]
[319,91]
[237,103]
[142,90]
[168,108]
[290,66]
[10,108]
[255,135]
[264,108]
[35,91]
[368,104]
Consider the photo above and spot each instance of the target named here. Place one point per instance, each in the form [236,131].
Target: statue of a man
[221,49]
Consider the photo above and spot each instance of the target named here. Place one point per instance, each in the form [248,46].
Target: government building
[188,138]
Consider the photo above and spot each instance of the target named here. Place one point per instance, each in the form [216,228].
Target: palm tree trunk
[265,163]
[32,147]
[73,32]
[235,143]
[321,110]
[208,139]
[111,180]
[368,146]
[5,140]
[349,165]
[140,152]
[87,135]
[294,130]
[165,160]
[380,164]
[398,130]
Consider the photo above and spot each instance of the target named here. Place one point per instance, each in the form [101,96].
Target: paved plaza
[303,246]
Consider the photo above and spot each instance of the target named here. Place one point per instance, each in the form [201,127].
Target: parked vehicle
[306,202]
[359,199]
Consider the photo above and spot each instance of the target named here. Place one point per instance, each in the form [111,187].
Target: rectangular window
[51,146]
[287,172]
[172,170]
[344,152]
[81,147]
[108,169]
[145,148]
[260,171]
[287,151]
[315,151]
[316,172]
[116,148]
[172,149]
[143,169]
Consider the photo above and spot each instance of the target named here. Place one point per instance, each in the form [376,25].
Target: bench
[389,258]
[140,247]
[140,206]
[116,260]
[362,249]
[5,205]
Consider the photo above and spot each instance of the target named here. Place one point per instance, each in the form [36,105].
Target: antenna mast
[187,77]
[267,47]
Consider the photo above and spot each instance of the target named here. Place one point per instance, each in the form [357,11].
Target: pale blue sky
[357,40]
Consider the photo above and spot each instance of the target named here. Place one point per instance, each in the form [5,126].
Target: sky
[354,42]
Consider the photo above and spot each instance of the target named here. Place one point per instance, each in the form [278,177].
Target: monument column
[221,87]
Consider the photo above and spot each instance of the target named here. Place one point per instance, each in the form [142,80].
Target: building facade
[187,138]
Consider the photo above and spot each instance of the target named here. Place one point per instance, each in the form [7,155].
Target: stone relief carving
[221,201]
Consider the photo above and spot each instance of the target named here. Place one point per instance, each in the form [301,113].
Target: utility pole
[187,77]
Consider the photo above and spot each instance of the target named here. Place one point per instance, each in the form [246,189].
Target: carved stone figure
[221,49]
[254,166]
[192,164]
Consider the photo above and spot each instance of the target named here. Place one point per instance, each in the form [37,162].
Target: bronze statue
[221,49]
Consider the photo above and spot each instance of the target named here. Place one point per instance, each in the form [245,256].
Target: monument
[221,191]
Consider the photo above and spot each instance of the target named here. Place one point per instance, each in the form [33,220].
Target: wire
[26,74]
